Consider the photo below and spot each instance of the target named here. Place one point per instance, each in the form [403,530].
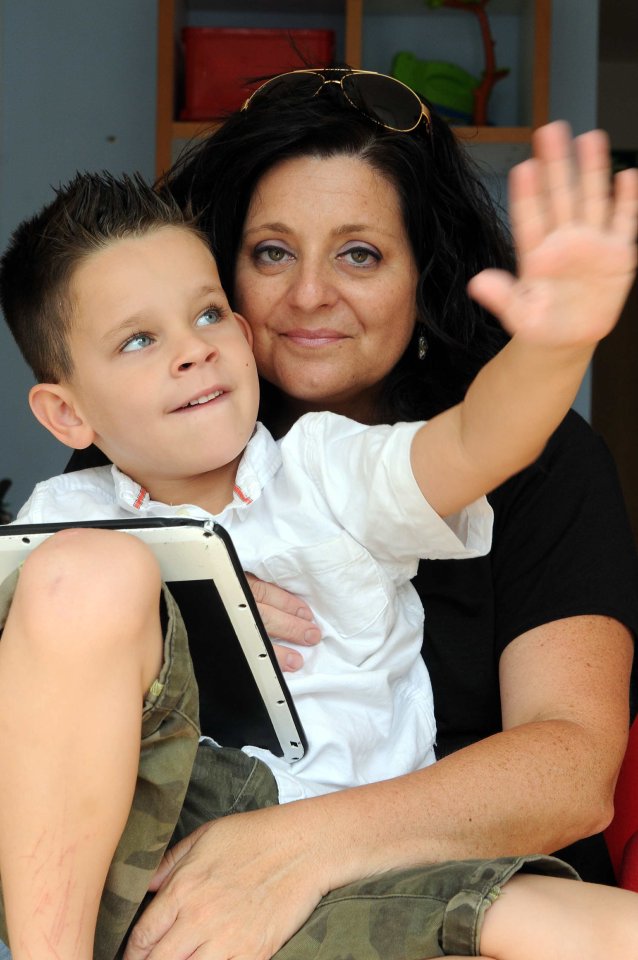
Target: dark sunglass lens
[383,99]
[289,85]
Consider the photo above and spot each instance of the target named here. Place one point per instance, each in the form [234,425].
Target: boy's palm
[575,241]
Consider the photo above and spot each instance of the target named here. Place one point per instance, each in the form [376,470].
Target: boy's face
[163,370]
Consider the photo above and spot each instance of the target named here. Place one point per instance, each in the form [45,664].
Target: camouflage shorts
[407,915]
[430,911]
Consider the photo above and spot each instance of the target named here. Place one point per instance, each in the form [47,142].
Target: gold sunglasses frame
[345,73]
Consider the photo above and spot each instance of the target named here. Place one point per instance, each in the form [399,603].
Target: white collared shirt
[333,514]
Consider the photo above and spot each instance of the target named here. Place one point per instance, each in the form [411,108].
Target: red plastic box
[220,63]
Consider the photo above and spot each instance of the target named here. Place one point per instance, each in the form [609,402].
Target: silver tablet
[243,695]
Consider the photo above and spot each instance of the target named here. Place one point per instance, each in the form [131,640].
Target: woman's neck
[362,408]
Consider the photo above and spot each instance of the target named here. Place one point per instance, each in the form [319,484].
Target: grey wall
[77,91]
[574,88]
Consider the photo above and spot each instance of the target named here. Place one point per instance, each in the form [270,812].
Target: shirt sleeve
[365,476]
[562,547]
[562,541]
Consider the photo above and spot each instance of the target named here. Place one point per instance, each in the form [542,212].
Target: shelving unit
[172,15]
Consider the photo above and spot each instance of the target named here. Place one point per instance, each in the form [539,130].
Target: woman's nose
[312,287]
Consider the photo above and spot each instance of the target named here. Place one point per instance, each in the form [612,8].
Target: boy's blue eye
[138,342]
[209,316]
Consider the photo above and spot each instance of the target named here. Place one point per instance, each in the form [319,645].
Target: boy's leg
[555,919]
[81,645]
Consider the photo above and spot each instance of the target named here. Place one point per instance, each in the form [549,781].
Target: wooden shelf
[189,129]
[495,134]
[171,15]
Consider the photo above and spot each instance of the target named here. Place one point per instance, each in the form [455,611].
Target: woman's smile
[314,338]
[326,275]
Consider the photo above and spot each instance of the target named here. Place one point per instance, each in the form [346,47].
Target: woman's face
[327,280]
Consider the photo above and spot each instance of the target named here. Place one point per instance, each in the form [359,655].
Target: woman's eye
[272,254]
[361,256]
[208,317]
[138,342]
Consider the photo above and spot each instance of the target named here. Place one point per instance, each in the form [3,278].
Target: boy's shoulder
[324,427]
[80,495]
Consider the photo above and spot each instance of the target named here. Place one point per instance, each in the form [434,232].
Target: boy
[115,301]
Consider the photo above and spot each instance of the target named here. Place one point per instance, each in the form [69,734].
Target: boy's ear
[245,326]
[53,405]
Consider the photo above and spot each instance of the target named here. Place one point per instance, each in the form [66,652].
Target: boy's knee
[102,571]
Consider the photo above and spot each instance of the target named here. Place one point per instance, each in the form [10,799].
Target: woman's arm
[544,781]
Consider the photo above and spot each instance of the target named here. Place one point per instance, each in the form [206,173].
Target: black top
[562,547]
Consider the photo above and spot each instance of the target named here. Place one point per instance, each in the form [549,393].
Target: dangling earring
[422,344]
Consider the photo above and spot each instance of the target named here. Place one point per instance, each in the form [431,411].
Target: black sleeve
[562,547]
[562,541]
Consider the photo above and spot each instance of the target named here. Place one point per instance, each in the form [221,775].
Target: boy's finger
[493,290]
[552,147]
[625,216]
[528,214]
[592,153]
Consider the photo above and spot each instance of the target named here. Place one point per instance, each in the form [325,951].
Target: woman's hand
[237,888]
[575,236]
[285,617]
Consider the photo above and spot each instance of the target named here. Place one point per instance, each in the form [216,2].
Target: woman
[530,649]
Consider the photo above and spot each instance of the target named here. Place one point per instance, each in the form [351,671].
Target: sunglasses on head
[380,98]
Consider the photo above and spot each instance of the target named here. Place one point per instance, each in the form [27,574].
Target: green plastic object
[448,87]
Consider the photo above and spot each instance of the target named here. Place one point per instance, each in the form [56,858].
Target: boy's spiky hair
[87,214]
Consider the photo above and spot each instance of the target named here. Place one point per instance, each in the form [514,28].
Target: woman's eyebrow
[276,227]
[374,228]
[351,228]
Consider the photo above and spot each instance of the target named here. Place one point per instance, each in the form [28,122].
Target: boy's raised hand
[575,237]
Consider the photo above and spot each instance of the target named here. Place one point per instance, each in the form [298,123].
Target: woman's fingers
[269,594]
[240,889]
[285,617]
[288,660]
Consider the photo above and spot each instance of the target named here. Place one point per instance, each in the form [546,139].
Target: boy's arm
[577,257]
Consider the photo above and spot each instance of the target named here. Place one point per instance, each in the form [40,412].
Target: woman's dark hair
[452,224]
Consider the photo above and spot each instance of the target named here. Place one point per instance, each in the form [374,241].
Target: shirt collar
[260,461]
